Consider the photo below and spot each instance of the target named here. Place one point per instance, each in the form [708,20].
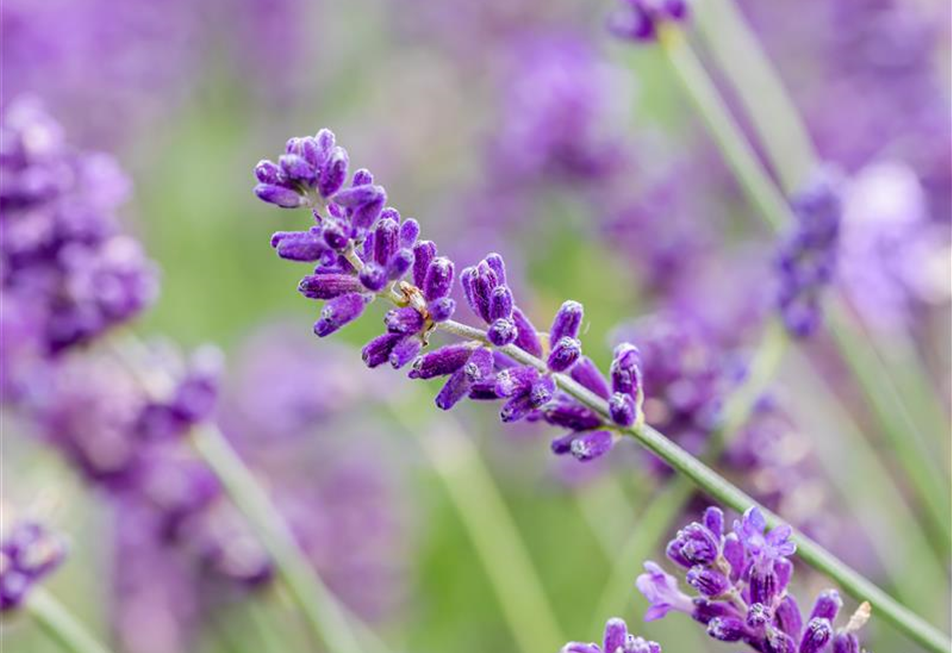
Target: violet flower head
[62,249]
[639,20]
[742,580]
[807,258]
[28,553]
[616,639]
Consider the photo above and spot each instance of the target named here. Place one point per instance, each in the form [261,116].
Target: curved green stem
[326,617]
[719,489]
[492,530]
[60,624]
[865,363]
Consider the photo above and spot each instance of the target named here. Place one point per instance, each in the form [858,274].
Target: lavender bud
[333,173]
[516,408]
[564,354]
[373,277]
[442,309]
[391,214]
[338,312]
[817,635]
[484,281]
[467,280]
[406,320]
[296,169]
[706,610]
[516,380]
[409,232]
[400,263]
[329,285]
[357,196]
[501,332]
[586,373]
[423,252]
[694,545]
[311,150]
[763,584]
[542,391]
[404,352]
[622,409]
[325,141]
[483,391]
[438,280]
[304,246]
[845,643]
[787,617]
[500,303]
[527,339]
[479,366]
[592,445]
[734,554]
[335,234]
[498,266]
[827,605]
[563,445]
[626,369]
[441,362]
[279,195]
[757,615]
[777,641]
[726,629]
[567,321]
[386,234]
[377,351]
[707,581]
[714,521]
[571,415]
[267,172]
[363,177]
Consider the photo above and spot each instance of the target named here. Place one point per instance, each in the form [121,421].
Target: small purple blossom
[638,20]
[616,639]
[28,553]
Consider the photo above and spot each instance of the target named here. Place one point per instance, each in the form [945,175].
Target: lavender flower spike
[616,639]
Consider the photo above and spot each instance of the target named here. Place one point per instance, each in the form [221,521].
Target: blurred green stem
[60,624]
[867,367]
[327,618]
[491,528]
[719,489]
[669,503]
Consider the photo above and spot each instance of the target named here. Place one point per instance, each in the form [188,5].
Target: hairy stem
[867,367]
[60,624]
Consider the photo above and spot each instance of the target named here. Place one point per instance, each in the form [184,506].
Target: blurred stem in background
[867,367]
[667,507]
[329,621]
[60,624]
[917,573]
[736,50]
[492,530]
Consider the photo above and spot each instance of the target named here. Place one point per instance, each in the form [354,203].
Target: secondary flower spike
[741,580]
[361,251]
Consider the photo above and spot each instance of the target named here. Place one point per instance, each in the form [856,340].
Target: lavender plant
[362,251]
[742,580]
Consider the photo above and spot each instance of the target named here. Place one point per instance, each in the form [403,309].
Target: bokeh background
[518,126]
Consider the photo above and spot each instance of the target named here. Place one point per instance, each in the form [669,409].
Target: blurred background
[517,126]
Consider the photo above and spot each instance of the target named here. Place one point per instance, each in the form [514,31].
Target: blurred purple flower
[28,553]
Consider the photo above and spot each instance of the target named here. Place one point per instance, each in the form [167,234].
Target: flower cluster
[28,552]
[638,20]
[616,639]
[63,255]
[741,579]
[363,250]
[807,257]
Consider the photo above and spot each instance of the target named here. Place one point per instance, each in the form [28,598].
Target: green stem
[326,617]
[60,624]
[719,489]
[879,388]
[492,530]
[670,502]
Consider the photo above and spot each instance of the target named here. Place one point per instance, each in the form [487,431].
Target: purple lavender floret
[807,258]
[616,639]
[627,385]
[28,553]
[638,20]
[742,579]
[62,249]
